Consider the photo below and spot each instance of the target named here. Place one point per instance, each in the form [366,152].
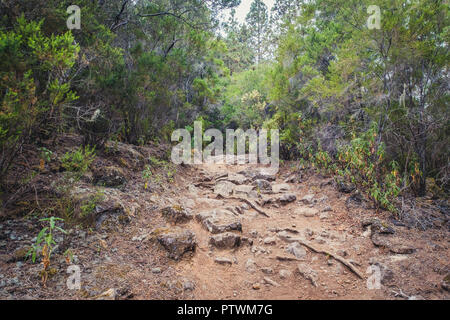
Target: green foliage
[363,162]
[33,89]
[45,154]
[45,241]
[88,207]
[79,160]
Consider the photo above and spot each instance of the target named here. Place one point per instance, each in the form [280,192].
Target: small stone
[188,285]
[323,216]
[223,260]
[262,185]
[156,270]
[225,240]
[307,273]
[177,214]
[307,212]
[297,250]
[287,198]
[250,266]
[270,241]
[284,274]
[256,286]
[277,188]
[177,241]
[267,270]
[308,199]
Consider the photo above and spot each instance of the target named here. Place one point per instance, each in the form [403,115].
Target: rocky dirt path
[257,235]
[233,232]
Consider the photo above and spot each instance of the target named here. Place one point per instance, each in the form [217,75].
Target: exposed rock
[177,214]
[378,226]
[156,270]
[267,270]
[324,216]
[284,274]
[287,198]
[223,260]
[262,185]
[293,178]
[225,240]
[259,174]
[285,236]
[307,212]
[283,187]
[345,187]
[308,199]
[176,241]
[307,273]
[401,249]
[110,177]
[244,190]
[219,221]
[270,240]
[224,188]
[188,285]
[297,250]
[245,240]
[237,179]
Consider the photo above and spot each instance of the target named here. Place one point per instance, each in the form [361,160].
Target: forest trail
[281,250]
[266,261]
[227,232]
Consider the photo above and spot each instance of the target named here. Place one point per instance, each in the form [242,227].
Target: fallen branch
[250,203]
[336,257]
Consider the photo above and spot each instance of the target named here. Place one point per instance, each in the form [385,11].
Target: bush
[78,161]
[363,163]
[32,86]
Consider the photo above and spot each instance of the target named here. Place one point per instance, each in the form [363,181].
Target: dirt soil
[306,240]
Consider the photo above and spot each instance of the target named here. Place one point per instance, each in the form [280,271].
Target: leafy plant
[363,163]
[89,206]
[45,244]
[78,161]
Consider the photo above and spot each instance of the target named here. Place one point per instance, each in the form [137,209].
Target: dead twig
[334,256]
[250,203]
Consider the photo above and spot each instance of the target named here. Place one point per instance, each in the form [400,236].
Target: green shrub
[33,91]
[78,161]
[363,163]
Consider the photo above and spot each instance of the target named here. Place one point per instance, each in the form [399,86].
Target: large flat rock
[219,221]
[177,241]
